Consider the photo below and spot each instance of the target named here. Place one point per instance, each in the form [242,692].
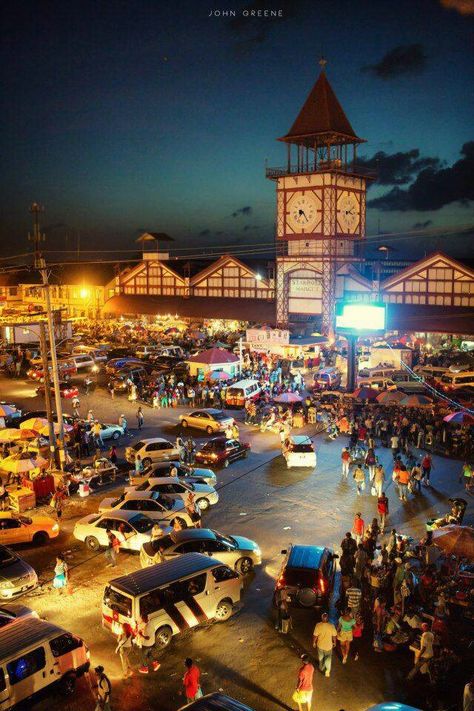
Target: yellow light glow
[84,293]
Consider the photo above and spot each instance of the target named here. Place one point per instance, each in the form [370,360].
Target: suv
[307,574]
[152,450]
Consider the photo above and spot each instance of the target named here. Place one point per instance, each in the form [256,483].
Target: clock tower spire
[320,206]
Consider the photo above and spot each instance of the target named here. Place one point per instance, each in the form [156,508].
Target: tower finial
[322,64]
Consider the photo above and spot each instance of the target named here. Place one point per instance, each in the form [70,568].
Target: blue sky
[119,115]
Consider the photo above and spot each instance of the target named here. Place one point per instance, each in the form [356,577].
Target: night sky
[125,116]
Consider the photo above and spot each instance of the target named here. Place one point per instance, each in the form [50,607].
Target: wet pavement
[263,500]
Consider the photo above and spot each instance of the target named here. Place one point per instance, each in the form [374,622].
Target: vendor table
[21,499]
[43,486]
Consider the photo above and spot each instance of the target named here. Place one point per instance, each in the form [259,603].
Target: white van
[145,351]
[328,378]
[431,372]
[34,655]
[172,351]
[236,395]
[456,381]
[176,595]
[379,383]
[377,372]
[298,451]
[82,361]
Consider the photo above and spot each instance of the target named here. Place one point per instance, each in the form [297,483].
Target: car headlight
[5,584]
[55,527]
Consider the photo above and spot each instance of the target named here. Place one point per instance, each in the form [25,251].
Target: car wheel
[244,566]
[116,434]
[92,543]
[223,610]
[209,430]
[40,538]
[146,462]
[181,522]
[163,637]
[225,463]
[184,424]
[202,504]
[68,684]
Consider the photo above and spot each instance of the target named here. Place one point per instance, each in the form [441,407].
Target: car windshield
[117,602]
[215,445]
[118,501]
[25,520]
[219,416]
[6,557]
[138,445]
[226,539]
[142,524]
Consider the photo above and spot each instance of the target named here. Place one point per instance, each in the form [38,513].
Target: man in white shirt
[426,652]
[324,639]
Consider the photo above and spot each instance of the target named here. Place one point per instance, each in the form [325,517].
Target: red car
[67,390]
[66,368]
[219,451]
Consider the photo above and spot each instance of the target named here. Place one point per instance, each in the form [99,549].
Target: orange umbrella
[6,410]
[34,423]
[455,540]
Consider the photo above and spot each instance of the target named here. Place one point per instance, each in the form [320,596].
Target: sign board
[359,318]
[268,336]
[307,288]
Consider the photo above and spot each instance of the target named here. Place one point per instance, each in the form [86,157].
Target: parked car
[98,354]
[84,361]
[173,488]
[121,378]
[152,450]
[16,575]
[195,475]
[109,431]
[11,612]
[115,364]
[208,419]
[235,551]
[67,390]
[298,450]
[307,575]
[16,528]
[219,702]
[131,528]
[219,451]
[150,503]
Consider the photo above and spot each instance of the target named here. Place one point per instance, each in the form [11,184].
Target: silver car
[235,551]
[208,419]
[16,575]
[160,510]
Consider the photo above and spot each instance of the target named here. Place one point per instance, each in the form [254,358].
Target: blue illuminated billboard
[360,318]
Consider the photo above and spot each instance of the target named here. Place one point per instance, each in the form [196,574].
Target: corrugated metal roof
[217,702]
[305,557]
[23,633]
[147,579]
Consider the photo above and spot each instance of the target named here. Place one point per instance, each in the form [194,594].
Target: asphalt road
[263,500]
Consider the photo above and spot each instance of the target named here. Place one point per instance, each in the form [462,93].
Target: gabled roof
[213,356]
[154,237]
[350,271]
[438,259]
[221,262]
[142,266]
[322,115]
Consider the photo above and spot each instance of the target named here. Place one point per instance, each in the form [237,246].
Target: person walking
[145,639]
[140,418]
[357,636]
[345,462]
[192,688]
[112,549]
[104,690]
[344,632]
[416,475]
[382,509]
[426,466]
[353,597]
[303,693]
[58,502]
[61,573]
[361,558]
[122,421]
[283,614]
[425,654]
[75,406]
[324,640]
[111,389]
[113,454]
[358,528]
[379,479]
[138,466]
[124,645]
[359,478]
[402,477]
[370,462]
[394,444]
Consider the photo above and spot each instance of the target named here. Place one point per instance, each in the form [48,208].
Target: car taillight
[322,585]
[280,582]
[107,618]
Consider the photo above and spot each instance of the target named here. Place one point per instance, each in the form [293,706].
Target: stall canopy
[202,307]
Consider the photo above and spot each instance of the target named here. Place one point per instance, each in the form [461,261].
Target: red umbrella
[288,398]
[460,418]
[390,396]
[365,393]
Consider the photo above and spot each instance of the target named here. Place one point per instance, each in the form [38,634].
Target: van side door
[30,672]
[224,583]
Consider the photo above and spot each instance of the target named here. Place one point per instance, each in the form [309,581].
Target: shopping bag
[298,697]
[373,490]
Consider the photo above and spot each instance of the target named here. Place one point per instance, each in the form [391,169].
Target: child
[357,636]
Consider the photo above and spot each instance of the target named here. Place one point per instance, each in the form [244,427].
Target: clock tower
[320,208]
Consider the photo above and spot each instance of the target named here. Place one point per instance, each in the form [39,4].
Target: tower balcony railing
[333,166]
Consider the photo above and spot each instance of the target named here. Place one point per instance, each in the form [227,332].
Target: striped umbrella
[11,434]
[219,375]
[460,418]
[416,401]
[45,429]
[390,396]
[288,398]
[365,393]
[34,423]
[18,464]
[6,410]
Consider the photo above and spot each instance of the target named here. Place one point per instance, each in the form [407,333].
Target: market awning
[256,310]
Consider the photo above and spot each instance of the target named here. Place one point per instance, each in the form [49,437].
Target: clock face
[348,212]
[304,212]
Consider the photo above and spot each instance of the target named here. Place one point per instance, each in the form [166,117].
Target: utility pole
[47,393]
[40,264]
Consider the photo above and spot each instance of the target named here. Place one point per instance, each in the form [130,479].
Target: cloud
[246,228]
[251,31]
[404,59]
[242,211]
[421,225]
[434,188]
[397,168]
[464,7]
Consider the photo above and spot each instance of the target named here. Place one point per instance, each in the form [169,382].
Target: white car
[108,431]
[208,419]
[173,488]
[237,552]
[298,451]
[195,475]
[131,528]
[161,510]
[152,450]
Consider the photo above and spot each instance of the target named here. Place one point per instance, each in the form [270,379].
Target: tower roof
[322,118]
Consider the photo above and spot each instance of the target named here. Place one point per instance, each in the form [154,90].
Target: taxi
[298,451]
[16,528]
